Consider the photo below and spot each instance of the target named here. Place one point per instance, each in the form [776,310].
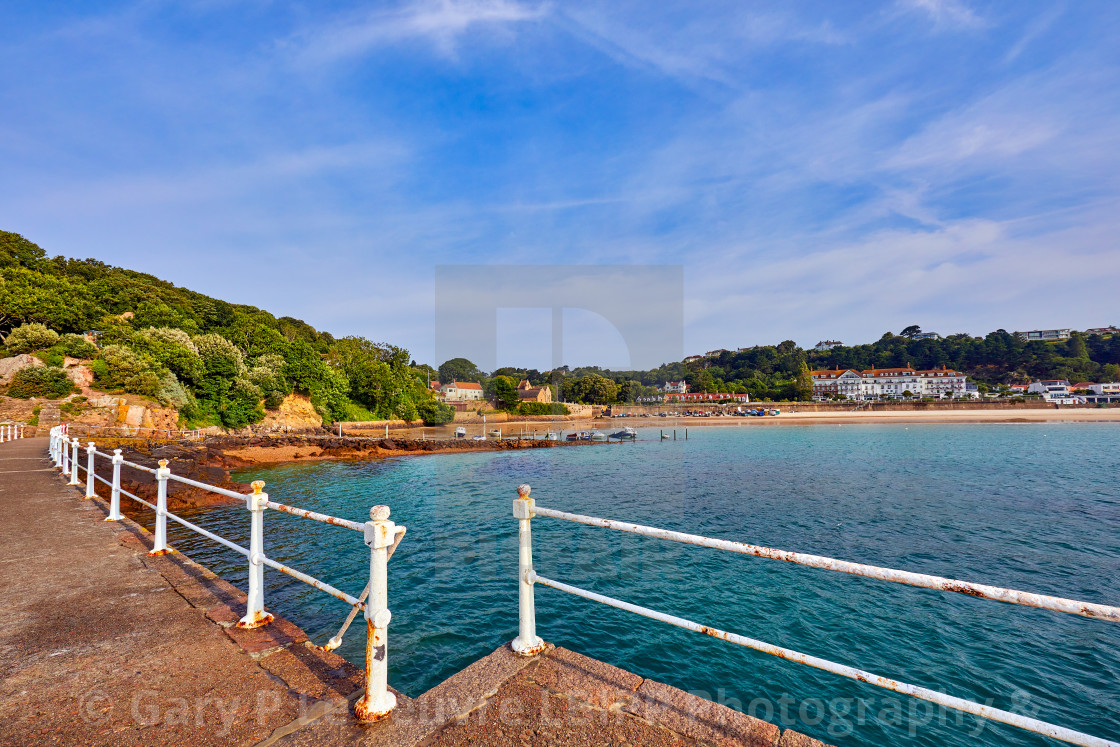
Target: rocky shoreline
[212,460]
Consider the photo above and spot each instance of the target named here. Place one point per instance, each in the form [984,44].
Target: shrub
[433,412]
[172,349]
[28,337]
[242,406]
[50,382]
[174,394]
[119,367]
[543,408]
[76,346]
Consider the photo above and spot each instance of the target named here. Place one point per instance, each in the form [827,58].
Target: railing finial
[258,486]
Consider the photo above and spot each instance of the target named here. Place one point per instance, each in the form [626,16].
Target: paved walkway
[101,644]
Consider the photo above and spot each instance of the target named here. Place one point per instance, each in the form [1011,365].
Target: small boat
[598,436]
[573,436]
[479,437]
[665,436]
[774,412]
[552,436]
[495,433]
[460,432]
[626,434]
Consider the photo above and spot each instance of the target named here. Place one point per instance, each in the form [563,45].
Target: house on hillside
[675,387]
[461,391]
[824,345]
[527,393]
[1043,334]
[693,358]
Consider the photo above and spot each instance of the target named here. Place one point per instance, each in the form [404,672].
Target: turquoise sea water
[1030,506]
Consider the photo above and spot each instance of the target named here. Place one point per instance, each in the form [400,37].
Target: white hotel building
[876,383]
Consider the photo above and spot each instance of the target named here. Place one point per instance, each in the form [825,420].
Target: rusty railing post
[255,616]
[115,493]
[377,702]
[74,463]
[526,643]
[90,452]
[159,547]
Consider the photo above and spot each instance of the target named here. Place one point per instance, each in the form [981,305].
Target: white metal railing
[10,432]
[527,643]
[128,431]
[380,534]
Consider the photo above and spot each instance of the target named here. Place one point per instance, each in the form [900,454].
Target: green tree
[504,391]
[594,390]
[459,369]
[803,387]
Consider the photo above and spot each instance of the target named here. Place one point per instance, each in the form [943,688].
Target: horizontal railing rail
[380,534]
[123,430]
[528,643]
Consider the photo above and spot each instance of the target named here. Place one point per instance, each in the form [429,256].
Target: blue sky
[819,169]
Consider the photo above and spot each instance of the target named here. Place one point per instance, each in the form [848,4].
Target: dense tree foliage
[216,362]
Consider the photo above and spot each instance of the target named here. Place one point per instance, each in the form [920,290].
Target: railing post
[115,493]
[255,616]
[159,547]
[90,486]
[526,643]
[377,702]
[74,463]
[65,454]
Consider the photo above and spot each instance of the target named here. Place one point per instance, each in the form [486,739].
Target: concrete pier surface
[101,644]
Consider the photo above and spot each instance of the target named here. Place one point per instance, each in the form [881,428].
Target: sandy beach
[788,417]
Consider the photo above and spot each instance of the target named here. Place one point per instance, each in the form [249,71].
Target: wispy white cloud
[691,46]
[438,22]
[1034,30]
[946,13]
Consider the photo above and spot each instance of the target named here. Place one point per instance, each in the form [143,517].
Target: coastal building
[926,336]
[675,387]
[715,353]
[1082,386]
[461,391]
[1104,393]
[890,383]
[527,393]
[706,397]
[1056,391]
[824,345]
[1043,334]
[693,358]
[1102,331]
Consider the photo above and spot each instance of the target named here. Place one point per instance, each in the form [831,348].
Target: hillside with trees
[224,364]
[217,363]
